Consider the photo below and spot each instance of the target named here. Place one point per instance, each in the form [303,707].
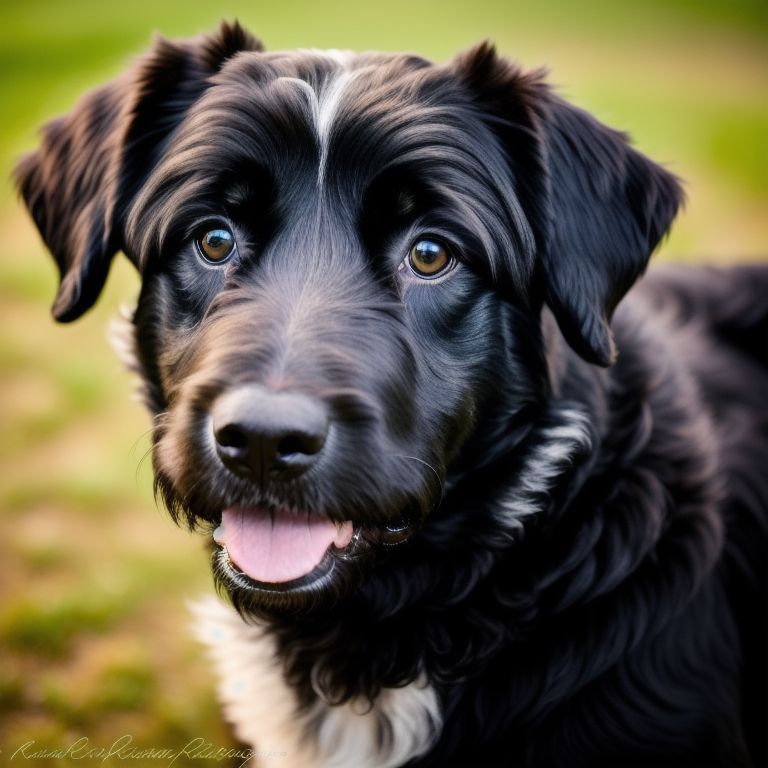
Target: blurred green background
[93,576]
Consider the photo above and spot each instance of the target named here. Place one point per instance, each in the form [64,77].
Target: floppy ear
[94,160]
[598,208]
[610,207]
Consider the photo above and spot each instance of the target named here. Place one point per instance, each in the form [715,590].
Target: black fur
[573,554]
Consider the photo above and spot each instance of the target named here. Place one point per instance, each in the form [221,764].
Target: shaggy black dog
[471,515]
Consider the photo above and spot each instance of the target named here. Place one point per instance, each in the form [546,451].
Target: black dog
[470,522]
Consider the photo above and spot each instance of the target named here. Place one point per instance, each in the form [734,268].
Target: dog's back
[717,322]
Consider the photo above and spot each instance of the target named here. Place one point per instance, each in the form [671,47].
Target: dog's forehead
[294,107]
[322,76]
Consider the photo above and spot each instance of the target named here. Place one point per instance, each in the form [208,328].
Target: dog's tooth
[218,534]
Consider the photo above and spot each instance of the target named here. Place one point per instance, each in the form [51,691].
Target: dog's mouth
[278,550]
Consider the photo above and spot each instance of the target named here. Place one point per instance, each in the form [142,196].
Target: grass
[93,577]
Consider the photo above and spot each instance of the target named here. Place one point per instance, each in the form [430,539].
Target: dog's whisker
[144,457]
[135,445]
[426,464]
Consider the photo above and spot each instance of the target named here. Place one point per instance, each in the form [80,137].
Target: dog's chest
[402,724]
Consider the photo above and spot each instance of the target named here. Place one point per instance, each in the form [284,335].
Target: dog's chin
[340,571]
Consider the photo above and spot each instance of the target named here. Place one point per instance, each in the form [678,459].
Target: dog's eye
[428,258]
[216,245]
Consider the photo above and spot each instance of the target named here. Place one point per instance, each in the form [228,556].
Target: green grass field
[93,576]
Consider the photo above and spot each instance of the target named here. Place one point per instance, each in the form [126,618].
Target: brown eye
[428,258]
[216,245]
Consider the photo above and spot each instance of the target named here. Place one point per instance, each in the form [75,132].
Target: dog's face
[344,263]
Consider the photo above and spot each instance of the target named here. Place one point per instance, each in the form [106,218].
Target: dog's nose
[266,435]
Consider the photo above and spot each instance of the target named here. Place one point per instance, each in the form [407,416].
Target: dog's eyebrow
[238,192]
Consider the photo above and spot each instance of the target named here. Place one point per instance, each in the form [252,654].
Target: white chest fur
[403,722]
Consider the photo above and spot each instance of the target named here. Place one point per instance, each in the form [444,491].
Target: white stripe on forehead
[327,107]
[324,104]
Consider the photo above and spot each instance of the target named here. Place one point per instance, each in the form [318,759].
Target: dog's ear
[610,207]
[93,160]
[597,207]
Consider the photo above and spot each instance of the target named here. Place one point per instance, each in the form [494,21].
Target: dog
[474,502]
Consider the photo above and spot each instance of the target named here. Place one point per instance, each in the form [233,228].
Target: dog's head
[344,261]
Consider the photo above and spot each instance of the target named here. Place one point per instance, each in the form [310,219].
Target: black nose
[266,435]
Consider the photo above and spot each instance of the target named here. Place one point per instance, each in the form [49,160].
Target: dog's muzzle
[269,438]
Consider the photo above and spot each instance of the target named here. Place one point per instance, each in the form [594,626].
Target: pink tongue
[283,550]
